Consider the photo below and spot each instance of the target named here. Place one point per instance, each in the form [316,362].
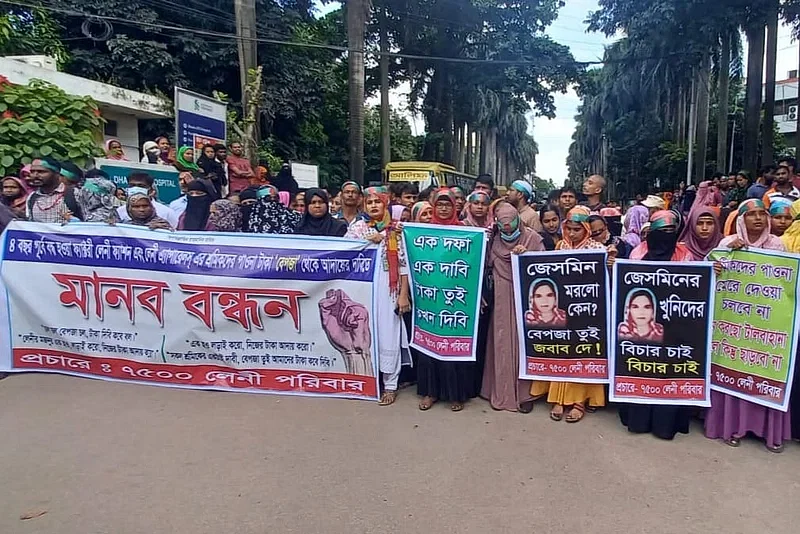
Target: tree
[39,119]
[357,11]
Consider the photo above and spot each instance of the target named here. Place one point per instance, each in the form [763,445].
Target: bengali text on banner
[755,326]
[445,266]
[562,310]
[247,313]
[661,332]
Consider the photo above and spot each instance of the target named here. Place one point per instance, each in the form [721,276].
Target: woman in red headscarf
[392,273]
[452,382]
[577,235]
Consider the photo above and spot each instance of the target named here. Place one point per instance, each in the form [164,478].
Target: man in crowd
[782,187]
[409,191]
[52,200]
[653,203]
[790,162]
[142,181]
[351,203]
[520,195]
[593,188]
[485,184]
[239,170]
[221,152]
[766,175]
[179,204]
[567,199]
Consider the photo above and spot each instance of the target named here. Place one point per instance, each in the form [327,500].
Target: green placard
[445,266]
[165,178]
[755,325]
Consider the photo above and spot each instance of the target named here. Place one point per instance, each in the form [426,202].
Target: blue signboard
[199,120]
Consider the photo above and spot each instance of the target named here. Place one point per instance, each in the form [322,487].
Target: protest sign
[755,326]
[445,266]
[661,332]
[165,179]
[283,314]
[562,311]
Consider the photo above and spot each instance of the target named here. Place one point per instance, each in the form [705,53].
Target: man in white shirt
[145,181]
[179,204]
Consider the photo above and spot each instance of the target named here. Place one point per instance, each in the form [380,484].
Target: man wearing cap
[351,203]
[52,200]
[593,188]
[653,203]
[520,194]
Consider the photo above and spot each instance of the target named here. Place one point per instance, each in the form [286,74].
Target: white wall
[127,132]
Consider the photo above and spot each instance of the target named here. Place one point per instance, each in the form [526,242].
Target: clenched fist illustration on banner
[346,323]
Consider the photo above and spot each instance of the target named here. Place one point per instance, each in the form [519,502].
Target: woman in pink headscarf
[730,418]
[114,150]
[15,195]
[702,233]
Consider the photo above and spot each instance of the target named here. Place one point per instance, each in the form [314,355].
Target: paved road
[101,457]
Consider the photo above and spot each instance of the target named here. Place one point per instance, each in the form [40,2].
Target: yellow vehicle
[427,173]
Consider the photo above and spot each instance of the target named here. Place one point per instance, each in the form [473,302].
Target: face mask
[137,191]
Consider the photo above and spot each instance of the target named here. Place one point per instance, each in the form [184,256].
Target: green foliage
[39,119]
[30,32]
[403,147]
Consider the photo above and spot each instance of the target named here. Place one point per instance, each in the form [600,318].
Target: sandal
[777,449]
[733,442]
[426,403]
[526,407]
[576,418]
[557,416]
[456,406]
[388,398]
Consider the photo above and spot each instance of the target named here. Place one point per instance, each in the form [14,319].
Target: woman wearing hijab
[224,216]
[247,199]
[730,418]
[142,212]
[543,305]
[317,219]
[477,212]
[451,382]
[15,194]
[114,150]
[151,153]
[199,196]
[269,216]
[96,198]
[639,314]
[422,212]
[551,226]
[184,160]
[661,245]
[392,273]
[576,235]
[501,387]
[212,169]
[636,217]
[461,199]
[791,240]
[780,215]
[701,234]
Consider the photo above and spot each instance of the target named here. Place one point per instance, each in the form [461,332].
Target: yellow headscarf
[791,237]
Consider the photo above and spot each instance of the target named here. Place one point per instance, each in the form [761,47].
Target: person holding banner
[731,418]
[437,380]
[392,272]
[422,212]
[576,234]
[501,385]
[780,214]
[791,240]
[702,233]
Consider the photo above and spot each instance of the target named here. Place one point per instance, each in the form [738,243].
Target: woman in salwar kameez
[392,274]
[501,385]
[575,235]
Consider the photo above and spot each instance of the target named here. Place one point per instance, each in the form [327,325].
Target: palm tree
[357,11]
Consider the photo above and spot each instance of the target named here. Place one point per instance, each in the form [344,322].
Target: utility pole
[245,11]
[692,130]
[768,127]
[386,153]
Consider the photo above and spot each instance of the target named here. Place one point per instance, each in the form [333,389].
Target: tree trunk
[245,15]
[490,141]
[692,128]
[768,126]
[480,144]
[723,101]
[386,150]
[703,93]
[752,110]
[356,27]
[469,161]
[448,154]
[680,120]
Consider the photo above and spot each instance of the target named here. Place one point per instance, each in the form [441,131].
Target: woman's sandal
[388,398]
[777,449]
[573,418]
[456,406]
[526,407]
[557,416]
[733,442]
[426,403]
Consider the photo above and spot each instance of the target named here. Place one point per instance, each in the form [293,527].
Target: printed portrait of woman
[543,307]
[640,317]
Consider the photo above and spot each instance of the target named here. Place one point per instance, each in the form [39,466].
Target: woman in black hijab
[247,199]
[212,169]
[199,196]
[317,220]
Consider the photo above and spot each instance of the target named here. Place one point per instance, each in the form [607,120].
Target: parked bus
[427,173]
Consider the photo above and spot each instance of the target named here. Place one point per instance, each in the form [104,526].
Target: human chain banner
[562,311]
[279,314]
[446,273]
[661,332]
[755,326]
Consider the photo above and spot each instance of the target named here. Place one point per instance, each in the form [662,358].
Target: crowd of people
[223,193]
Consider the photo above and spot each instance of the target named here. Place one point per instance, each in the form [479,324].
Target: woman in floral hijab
[225,216]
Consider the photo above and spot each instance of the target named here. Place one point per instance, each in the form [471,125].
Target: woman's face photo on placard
[543,307]
[639,322]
